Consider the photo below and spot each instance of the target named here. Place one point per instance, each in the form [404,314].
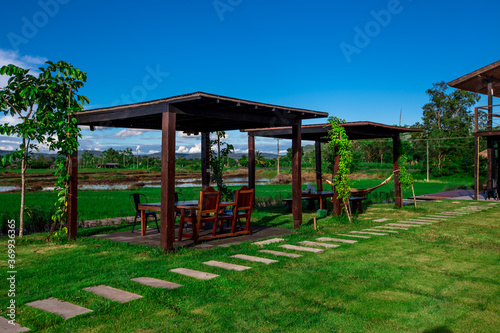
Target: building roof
[355,131]
[474,81]
[197,112]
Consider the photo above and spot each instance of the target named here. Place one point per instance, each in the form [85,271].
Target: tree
[260,160]
[87,157]
[446,116]
[111,156]
[243,161]
[45,105]
[217,162]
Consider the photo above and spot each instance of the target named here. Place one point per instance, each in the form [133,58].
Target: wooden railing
[492,119]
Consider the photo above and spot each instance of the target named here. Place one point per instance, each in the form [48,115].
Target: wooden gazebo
[192,113]
[485,81]
[355,131]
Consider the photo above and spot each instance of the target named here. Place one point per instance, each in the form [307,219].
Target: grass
[439,278]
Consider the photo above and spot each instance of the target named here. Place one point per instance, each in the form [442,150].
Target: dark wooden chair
[206,211]
[493,192]
[135,199]
[242,209]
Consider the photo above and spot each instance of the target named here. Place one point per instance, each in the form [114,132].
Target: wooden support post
[205,166]
[319,173]
[398,191]
[476,166]
[297,175]
[71,222]
[337,205]
[489,141]
[167,214]
[251,162]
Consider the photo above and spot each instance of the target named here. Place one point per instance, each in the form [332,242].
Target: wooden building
[486,81]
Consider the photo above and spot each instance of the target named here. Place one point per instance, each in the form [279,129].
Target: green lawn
[438,278]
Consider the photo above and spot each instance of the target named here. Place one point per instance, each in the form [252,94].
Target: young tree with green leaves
[45,105]
[217,160]
[405,178]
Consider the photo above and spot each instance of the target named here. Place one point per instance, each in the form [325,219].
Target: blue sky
[358,60]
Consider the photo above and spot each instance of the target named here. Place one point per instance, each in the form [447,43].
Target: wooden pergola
[355,131]
[192,113]
[485,81]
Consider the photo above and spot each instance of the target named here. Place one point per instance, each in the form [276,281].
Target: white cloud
[10,119]
[153,151]
[127,132]
[195,149]
[243,151]
[182,150]
[214,136]
[184,135]
[12,57]
[7,147]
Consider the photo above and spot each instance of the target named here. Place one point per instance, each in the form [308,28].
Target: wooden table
[318,195]
[188,204]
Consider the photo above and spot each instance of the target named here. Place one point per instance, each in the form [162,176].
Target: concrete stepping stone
[340,240]
[64,309]
[425,221]
[493,204]
[269,241]
[283,254]
[415,222]
[473,203]
[226,265]
[254,259]
[381,220]
[301,248]
[438,200]
[327,245]
[404,225]
[389,231]
[151,282]
[6,327]
[385,227]
[368,233]
[440,216]
[436,219]
[113,294]
[194,274]
[356,236]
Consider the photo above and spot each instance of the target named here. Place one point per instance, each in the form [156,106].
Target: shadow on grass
[440,329]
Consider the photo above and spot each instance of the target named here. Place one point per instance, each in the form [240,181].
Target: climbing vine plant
[217,160]
[405,178]
[339,143]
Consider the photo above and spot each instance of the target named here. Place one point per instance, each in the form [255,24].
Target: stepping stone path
[269,241]
[63,309]
[284,254]
[301,248]
[328,239]
[384,227]
[356,236]
[5,327]
[151,282]
[327,245]
[389,231]
[403,225]
[254,259]
[225,265]
[113,294]
[194,274]
[421,221]
[381,220]
[368,233]
[440,216]
[413,222]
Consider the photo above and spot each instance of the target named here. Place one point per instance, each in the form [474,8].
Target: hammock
[362,192]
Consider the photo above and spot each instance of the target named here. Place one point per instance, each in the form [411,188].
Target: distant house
[108,166]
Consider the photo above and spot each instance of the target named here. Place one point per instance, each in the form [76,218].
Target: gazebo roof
[318,132]
[474,80]
[197,112]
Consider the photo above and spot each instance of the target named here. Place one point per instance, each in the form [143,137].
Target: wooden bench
[356,204]
[309,203]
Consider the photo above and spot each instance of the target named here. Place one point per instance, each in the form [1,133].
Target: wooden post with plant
[339,143]
[217,162]
[405,178]
[45,105]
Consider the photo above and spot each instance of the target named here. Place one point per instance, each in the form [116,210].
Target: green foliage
[339,143]
[45,104]
[217,161]
[405,178]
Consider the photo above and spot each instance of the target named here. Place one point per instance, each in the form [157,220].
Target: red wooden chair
[242,210]
[206,211]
